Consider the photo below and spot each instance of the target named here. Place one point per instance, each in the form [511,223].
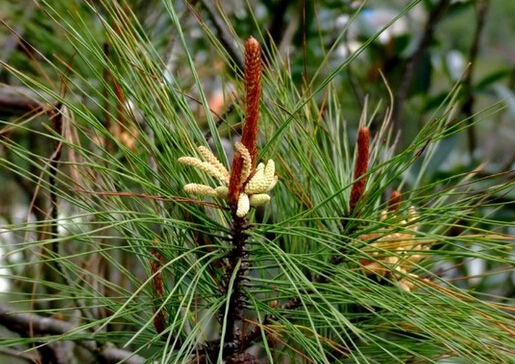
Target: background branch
[467,109]
[226,38]
[413,62]
[23,323]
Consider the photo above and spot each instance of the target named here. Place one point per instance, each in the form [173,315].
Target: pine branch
[237,181]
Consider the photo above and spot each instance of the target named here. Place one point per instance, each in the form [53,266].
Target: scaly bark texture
[250,126]
[361,168]
[233,334]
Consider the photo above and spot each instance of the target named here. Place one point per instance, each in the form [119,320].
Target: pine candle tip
[250,126]
[252,46]
[251,42]
[363,135]
[252,97]
[394,201]
[362,145]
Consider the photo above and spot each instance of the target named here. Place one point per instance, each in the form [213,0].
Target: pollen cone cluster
[255,190]
[394,251]
[246,185]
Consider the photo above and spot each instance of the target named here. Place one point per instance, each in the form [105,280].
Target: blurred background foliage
[420,58]
[422,55]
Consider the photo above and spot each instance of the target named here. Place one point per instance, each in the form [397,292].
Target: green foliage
[127,114]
